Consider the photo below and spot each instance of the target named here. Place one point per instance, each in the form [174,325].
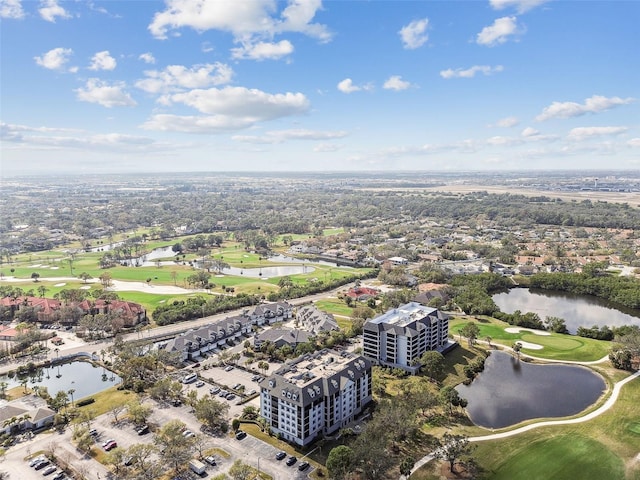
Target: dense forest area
[206,209]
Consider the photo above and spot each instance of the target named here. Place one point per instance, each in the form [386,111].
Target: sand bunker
[59,284]
[530,346]
[520,329]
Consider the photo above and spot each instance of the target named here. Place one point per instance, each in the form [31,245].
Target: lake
[84,377]
[510,391]
[576,310]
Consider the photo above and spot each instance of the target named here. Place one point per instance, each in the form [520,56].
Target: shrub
[85,401]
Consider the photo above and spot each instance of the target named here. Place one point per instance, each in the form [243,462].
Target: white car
[188,434]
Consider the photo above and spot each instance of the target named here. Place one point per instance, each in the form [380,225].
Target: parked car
[107,442]
[228,368]
[142,429]
[49,470]
[291,460]
[236,386]
[223,393]
[36,460]
[240,434]
[211,460]
[230,396]
[58,476]
[41,464]
[303,466]
[199,384]
[280,455]
[214,390]
[251,392]
[111,445]
[188,434]
[93,432]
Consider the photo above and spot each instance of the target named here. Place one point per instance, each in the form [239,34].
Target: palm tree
[516,348]
[71,391]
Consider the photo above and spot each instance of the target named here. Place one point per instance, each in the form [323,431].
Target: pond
[576,310]
[84,377]
[510,391]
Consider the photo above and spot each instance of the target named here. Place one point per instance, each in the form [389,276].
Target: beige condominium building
[316,394]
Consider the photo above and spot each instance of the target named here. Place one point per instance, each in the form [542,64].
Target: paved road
[175,328]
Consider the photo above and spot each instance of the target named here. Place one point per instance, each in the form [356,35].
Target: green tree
[175,448]
[471,332]
[241,471]
[406,465]
[139,412]
[340,462]
[212,413]
[432,364]
[453,447]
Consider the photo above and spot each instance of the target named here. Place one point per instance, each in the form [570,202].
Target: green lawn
[556,346]
[562,457]
[603,448]
[334,306]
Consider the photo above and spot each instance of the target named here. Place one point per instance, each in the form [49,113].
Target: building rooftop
[310,367]
[404,315]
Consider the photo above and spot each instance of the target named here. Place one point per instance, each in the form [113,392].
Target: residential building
[280,337]
[218,334]
[192,343]
[26,413]
[316,321]
[399,337]
[316,394]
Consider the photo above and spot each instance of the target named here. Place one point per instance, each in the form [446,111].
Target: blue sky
[217,85]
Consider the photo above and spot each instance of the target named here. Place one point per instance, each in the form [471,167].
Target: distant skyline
[245,85]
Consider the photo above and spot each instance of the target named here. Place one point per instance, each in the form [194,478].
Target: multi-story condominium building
[399,337]
[316,394]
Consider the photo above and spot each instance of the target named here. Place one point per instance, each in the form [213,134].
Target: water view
[510,391]
[83,377]
[576,310]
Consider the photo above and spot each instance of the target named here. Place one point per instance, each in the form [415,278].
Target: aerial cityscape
[302,240]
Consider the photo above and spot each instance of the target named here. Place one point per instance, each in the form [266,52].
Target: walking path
[590,416]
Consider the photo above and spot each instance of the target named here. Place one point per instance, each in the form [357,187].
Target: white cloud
[634,142]
[102,61]
[11,9]
[581,133]
[50,9]
[498,32]
[347,86]
[327,147]
[246,20]
[263,50]
[396,83]
[102,93]
[594,104]
[470,72]
[178,77]
[280,136]
[229,108]
[243,102]
[147,58]
[54,59]
[521,6]
[530,132]
[502,141]
[506,122]
[414,35]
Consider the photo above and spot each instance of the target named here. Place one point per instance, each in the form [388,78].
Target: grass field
[561,457]
[555,346]
[604,448]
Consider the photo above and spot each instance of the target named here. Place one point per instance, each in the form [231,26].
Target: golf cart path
[590,416]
